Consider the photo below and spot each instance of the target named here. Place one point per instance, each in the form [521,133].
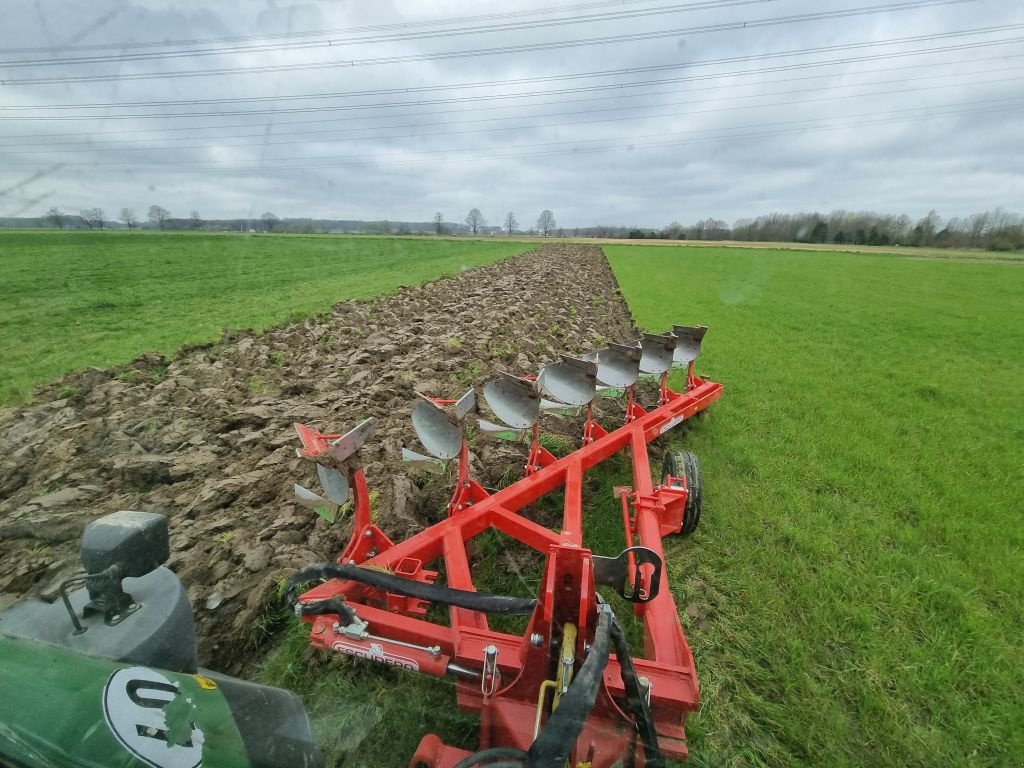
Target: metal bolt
[372,553]
[586,647]
[536,639]
[368,533]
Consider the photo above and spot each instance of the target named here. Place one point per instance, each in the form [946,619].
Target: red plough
[568,689]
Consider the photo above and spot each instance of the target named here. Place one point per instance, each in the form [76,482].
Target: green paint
[52,712]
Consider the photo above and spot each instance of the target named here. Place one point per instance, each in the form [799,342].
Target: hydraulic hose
[555,742]
[332,605]
[435,593]
[636,700]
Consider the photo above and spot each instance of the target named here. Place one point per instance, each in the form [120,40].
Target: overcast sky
[634,112]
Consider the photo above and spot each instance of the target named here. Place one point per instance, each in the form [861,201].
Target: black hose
[435,593]
[636,700]
[335,605]
[509,757]
[555,742]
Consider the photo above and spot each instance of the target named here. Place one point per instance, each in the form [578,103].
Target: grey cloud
[722,156]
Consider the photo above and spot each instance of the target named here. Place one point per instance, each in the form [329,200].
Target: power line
[885,119]
[123,58]
[575,142]
[514,81]
[549,10]
[629,142]
[579,89]
[94,146]
[476,109]
[507,49]
[630,118]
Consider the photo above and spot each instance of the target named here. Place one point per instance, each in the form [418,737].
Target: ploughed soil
[206,438]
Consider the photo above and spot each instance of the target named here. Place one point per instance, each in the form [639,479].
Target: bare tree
[511,223]
[195,221]
[128,217]
[93,218]
[926,229]
[159,215]
[546,222]
[270,221]
[977,224]
[475,220]
[438,223]
[56,217]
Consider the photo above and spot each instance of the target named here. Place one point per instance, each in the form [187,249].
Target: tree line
[996,230]
[160,218]
[157,217]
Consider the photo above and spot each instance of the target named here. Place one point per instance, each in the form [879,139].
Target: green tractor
[109,675]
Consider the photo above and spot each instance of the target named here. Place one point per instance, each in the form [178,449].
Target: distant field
[860,553]
[74,299]
[907,252]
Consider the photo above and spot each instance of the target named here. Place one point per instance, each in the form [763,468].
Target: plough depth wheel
[685,464]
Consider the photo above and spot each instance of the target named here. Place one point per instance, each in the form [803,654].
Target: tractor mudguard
[62,708]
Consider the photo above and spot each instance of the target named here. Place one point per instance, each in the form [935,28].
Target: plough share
[568,692]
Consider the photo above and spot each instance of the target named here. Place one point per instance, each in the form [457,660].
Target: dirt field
[207,438]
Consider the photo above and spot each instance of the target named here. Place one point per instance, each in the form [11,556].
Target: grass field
[861,546]
[69,300]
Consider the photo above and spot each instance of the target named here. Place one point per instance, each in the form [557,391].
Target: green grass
[69,300]
[365,715]
[859,566]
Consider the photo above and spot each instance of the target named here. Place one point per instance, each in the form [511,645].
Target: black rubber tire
[686,464]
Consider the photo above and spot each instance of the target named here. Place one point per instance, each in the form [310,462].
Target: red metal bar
[572,518]
[458,575]
[518,527]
